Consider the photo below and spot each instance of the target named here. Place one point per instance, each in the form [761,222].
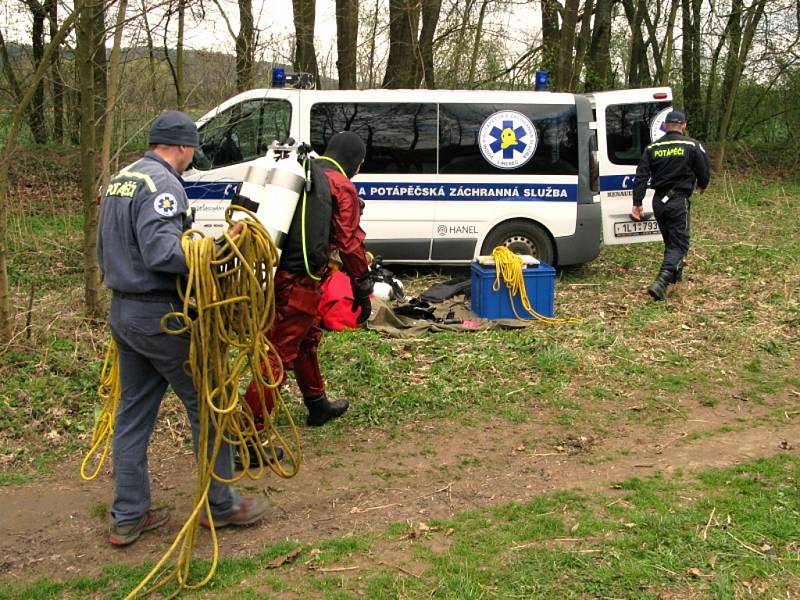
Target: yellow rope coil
[228,307]
[109,392]
[508,269]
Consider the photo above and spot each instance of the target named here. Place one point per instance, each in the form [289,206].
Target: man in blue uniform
[671,166]
[144,211]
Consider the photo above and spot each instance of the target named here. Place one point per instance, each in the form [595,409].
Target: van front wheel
[521,237]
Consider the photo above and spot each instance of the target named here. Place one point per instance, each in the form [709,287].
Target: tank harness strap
[335,163]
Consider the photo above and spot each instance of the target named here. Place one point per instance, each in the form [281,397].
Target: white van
[450,174]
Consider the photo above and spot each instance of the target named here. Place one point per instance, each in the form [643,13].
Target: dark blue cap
[675,116]
[173,128]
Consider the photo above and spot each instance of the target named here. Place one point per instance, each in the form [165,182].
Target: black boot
[658,289]
[321,410]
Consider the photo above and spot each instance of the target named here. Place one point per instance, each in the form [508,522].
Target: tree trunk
[111,99]
[373,79]
[637,54]
[346,41]
[305,58]
[582,43]
[598,64]
[86,39]
[653,42]
[51,6]
[566,45]
[690,59]
[711,110]
[37,113]
[461,40]
[99,63]
[551,37]
[755,12]
[6,154]
[430,18]
[180,92]
[151,57]
[245,47]
[476,44]
[670,42]
[403,26]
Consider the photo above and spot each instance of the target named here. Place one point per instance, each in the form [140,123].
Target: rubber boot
[658,289]
[321,410]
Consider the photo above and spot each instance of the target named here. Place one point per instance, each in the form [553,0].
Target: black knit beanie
[348,150]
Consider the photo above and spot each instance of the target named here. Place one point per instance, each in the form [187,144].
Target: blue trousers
[149,361]
[673,218]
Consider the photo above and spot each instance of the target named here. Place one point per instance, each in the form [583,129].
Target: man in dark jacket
[144,211]
[671,166]
[327,220]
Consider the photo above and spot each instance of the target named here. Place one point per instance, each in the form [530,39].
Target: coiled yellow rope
[228,306]
[109,392]
[508,268]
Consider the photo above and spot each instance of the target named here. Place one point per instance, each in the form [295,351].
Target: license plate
[629,228]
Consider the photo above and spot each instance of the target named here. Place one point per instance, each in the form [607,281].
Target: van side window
[628,130]
[556,149]
[400,137]
[242,132]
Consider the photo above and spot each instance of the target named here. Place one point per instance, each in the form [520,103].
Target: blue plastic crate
[540,285]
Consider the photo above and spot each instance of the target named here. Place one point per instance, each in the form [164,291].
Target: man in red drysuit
[331,215]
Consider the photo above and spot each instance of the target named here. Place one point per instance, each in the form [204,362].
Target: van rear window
[469,142]
[628,130]
[400,138]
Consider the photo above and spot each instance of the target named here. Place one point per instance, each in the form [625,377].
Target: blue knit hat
[173,128]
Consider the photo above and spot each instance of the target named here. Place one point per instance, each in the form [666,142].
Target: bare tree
[690,60]
[346,40]
[5,158]
[245,47]
[430,19]
[403,26]
[305,57]
[51,6]
[39,14]
[598,59]
[86,39]
[741,42]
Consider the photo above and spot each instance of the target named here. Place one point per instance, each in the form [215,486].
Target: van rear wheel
[521,237]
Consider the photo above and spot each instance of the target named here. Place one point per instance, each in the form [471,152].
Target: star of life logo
[166,205]
[658,125]
[508,139]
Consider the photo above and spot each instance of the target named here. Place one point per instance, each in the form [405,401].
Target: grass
[728,340]
[732,334]
[720,533]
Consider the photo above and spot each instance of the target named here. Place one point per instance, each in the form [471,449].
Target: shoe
[248,512]
[266,455]
[658,289]
[321,410]
[122,535]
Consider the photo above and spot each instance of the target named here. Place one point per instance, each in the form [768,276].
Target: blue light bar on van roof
[542,81]
[278,77]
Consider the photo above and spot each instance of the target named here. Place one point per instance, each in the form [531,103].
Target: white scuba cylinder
[276,187]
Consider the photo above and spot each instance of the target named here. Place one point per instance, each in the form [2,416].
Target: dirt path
[430,470]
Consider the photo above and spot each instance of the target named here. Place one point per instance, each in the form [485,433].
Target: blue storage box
[540,285]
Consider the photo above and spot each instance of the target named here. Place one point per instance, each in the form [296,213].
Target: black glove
[361,293]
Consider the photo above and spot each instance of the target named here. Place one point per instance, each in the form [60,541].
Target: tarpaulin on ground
[385,320]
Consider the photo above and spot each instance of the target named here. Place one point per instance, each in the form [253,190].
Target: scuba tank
[271,188]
